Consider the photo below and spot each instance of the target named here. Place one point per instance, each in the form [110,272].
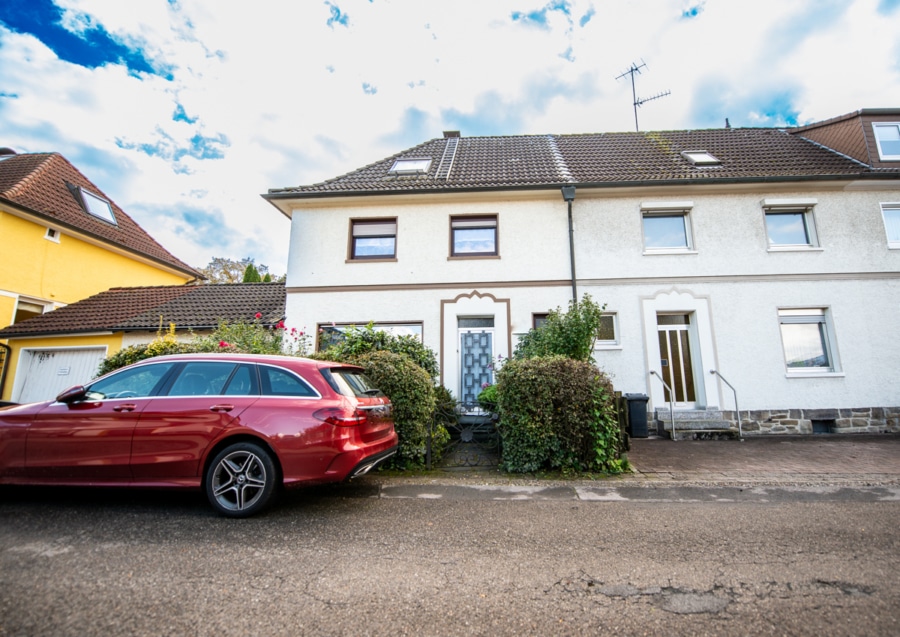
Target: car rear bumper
[366,465]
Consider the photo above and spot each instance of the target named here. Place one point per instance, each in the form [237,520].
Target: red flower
[280,325]
[258,315]
[224,344]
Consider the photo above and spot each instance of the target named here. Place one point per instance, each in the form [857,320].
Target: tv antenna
[635,69]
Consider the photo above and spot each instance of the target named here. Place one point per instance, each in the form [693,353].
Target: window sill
[812,374]
[472,257]
[795,249]
[649,253]
[384,260]
[607,347]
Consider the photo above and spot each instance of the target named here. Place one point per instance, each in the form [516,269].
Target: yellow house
[63,240]
[62,348]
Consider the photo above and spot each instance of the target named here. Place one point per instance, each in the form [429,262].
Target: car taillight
[341,416]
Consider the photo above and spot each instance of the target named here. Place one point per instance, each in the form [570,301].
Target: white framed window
[667,227]
[608,334]
[890,212]
[887,138]
[52,234]
[790,224]
[701,158]
[807,339]
[373,239]
[411,166]
[333,333]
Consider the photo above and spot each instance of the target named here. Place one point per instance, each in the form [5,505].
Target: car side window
[280,382]
[136,382]
[202,378]
[243,382]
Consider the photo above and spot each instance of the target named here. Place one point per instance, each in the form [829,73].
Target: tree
[251,274]
[225,270]
[571,334]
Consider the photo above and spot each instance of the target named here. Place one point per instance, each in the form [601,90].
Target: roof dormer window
[700,158]
[97,206]
[887,135]
[411,166]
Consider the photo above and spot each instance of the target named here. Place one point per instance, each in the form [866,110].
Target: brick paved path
[818,459]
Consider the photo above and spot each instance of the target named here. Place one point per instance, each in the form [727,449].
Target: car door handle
[125,407]
[221,408]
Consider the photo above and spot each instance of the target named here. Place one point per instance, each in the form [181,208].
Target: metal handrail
[736,408]
[671,400]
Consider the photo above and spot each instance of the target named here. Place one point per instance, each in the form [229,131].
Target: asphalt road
[377,559]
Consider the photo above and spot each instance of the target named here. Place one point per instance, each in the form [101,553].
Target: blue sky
[185,111]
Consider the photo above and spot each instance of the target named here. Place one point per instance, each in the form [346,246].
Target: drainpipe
[568,193]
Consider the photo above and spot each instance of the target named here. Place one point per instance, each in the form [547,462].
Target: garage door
[42,374]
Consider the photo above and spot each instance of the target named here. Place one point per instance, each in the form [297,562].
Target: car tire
[241,480]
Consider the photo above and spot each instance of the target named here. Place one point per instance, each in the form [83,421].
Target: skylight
[411,166]
[700,158]
[97,206]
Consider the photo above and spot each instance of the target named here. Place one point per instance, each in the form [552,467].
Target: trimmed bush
[413,397]
[357,341]
[557,414]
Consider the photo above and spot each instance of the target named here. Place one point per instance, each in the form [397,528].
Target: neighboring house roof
[851,134]
[45,185]
[595,160]
[195,307]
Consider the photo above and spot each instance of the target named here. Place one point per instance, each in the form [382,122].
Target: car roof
[274,359]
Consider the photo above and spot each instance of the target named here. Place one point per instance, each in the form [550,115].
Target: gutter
[568,193]
[273,196]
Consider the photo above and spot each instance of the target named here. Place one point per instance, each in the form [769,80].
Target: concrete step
[695,423]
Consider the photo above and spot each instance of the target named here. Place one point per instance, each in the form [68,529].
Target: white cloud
[276,96]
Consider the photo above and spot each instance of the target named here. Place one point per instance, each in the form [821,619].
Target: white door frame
[700,339]
[473,304]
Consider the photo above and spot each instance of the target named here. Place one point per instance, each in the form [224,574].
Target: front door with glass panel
[476,356]
[675,358]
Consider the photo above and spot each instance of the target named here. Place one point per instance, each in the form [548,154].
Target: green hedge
[557,414]
[413,398]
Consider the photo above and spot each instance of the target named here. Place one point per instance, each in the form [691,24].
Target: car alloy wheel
[241,480]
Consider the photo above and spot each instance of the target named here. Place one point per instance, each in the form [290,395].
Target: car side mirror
[72,394]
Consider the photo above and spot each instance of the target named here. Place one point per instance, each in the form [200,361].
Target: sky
[184,112]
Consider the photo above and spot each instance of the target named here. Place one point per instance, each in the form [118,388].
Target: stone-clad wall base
[800,421]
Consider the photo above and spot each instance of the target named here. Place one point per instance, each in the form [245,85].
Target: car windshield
[352,382]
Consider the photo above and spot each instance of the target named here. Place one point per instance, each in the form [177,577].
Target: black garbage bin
[637,415]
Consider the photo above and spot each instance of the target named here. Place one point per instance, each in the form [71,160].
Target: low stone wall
[802,421]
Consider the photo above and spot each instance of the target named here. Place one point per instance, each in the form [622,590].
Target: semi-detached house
[769,258]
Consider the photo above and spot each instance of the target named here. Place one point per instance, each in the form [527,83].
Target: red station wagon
[238,426]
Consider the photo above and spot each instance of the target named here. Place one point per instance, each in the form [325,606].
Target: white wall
[733,278]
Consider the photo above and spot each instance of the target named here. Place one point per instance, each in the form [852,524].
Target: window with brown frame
[474,236]
[373,239]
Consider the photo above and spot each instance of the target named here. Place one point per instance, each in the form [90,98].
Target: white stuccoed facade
[730,284]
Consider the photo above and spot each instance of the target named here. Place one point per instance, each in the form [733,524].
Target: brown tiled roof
[147,308]
[603,159]
[40,183]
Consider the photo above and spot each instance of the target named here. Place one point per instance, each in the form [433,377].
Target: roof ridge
[40,168]
[559,161]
